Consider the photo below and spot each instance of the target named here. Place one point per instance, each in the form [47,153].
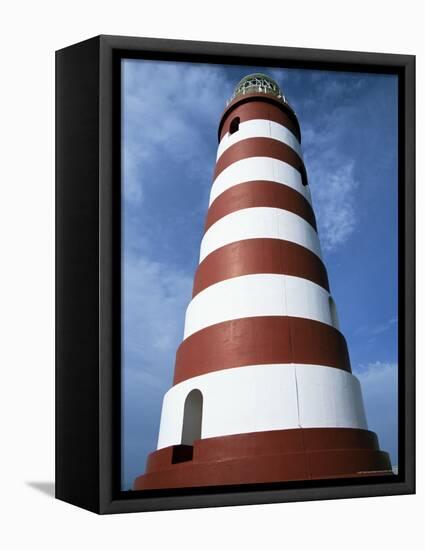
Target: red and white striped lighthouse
[263,389]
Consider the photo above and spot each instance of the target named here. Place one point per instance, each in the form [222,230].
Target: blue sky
[349,137]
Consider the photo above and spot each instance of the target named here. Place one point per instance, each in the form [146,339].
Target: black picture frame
[88,271]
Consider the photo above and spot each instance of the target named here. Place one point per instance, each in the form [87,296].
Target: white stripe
[266,397]
[260,128]
[259,168]
[260,222]
[257,295]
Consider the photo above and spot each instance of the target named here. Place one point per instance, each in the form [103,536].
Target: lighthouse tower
[263,389]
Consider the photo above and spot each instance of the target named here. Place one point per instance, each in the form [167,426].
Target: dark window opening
[234,125]
[303,174]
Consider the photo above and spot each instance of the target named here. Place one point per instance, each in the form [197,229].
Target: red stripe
[260,340]
[270,456]
[259,106]
[260,147]
[251,256]
[269,442]
[291,441]
[259,193]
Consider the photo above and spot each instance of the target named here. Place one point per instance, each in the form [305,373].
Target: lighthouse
[263,389]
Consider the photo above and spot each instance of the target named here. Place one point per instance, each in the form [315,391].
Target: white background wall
[29,34]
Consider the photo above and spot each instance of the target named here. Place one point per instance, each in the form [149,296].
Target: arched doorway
[192,418]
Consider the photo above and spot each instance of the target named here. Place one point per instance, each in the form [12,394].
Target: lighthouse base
[265,457]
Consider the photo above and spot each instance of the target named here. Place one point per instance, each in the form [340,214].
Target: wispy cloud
[155,298]
[384,327]
[334,201]
[175,124]
[331,169]
[332,178]
[376,330]
[375,369]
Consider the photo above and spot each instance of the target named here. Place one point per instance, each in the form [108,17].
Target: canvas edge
[109,500]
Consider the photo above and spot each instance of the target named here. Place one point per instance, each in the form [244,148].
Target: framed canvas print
[235,274]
